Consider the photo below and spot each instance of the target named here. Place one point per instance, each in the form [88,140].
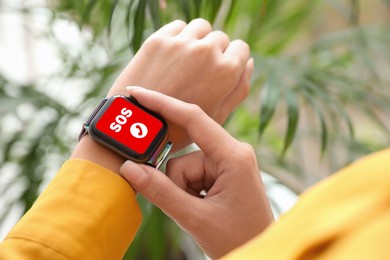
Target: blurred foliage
[316,96]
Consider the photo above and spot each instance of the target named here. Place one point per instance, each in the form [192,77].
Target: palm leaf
[139,25]
[269,101]
[293,117]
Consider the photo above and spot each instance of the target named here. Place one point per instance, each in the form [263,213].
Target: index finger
[204,131]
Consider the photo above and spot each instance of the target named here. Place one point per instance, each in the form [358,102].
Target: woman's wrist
[90,150]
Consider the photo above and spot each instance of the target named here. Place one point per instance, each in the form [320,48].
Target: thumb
[161,191]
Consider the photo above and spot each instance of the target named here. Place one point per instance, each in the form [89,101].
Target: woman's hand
[194,64]
[234,208]
[189,62]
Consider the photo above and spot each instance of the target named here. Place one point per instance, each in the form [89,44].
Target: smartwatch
[127,128]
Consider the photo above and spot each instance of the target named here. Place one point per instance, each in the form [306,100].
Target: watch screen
[129,125]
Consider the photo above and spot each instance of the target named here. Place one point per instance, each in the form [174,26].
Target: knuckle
[202,22]
[221,34]
[246,46]
[242,45]
[153,42]
[179,22]
[246,153]
[194,109]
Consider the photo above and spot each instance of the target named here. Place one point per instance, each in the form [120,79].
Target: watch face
[128,127]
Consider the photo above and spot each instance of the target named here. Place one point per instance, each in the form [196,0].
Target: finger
[171,29]
[239,93]
[238,54]
[188,173]
[197,28]
[160,190]
[204,131]
[218,38]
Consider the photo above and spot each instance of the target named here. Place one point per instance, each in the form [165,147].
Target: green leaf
[215,7]
[337,105]
[230,14]
[186,9]
[7,205]
[154,8]
[129,15]
[87,11]
[139,25]
[269,99]
[324,130]
[113,6]
[197,7]
[10,144]
[293,116]
[376,119]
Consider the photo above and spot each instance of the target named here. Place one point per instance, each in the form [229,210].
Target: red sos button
[129,129]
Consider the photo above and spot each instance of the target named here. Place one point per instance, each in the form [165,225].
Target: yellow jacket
[345,217]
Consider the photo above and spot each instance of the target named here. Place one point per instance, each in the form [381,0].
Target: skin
[203,67]
[189,62]
[235,207]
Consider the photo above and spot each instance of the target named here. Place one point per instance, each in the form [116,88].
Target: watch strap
[84,129]
[161,153]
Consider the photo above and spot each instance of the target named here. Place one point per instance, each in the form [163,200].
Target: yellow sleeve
[86,212]
[345,217]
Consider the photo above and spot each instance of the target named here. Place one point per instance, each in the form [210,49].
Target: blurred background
[319,99]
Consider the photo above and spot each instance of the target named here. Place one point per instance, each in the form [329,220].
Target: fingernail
[133,173]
